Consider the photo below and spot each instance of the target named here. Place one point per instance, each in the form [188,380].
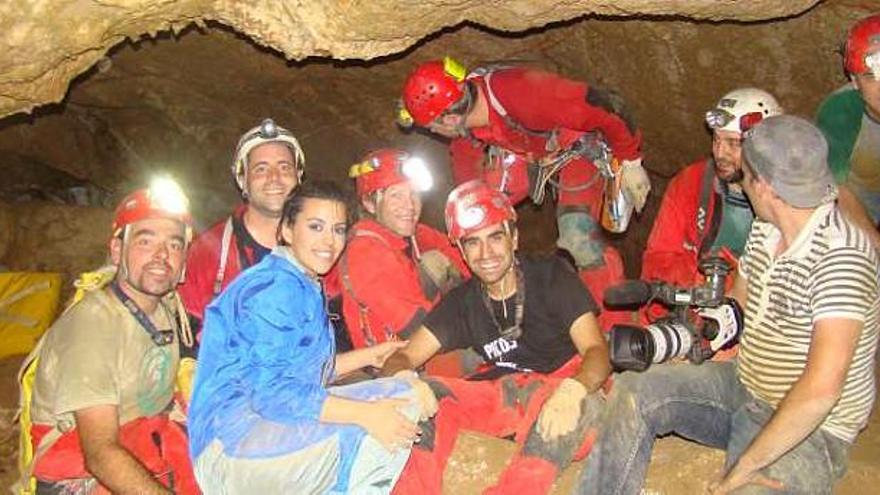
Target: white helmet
[741,109]
[266,132]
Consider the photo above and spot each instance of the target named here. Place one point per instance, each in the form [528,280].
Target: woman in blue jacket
[264,417]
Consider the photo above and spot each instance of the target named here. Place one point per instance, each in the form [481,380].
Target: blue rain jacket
[266,358]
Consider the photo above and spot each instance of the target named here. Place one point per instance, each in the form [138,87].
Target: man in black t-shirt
[535,324]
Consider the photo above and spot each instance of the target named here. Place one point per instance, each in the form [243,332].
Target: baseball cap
[791,154]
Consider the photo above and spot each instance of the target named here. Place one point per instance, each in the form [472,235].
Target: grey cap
[791,154]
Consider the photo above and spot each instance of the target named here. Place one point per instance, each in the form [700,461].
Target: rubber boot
[600,278]
[525,475]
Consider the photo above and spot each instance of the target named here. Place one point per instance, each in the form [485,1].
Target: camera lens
[671,339]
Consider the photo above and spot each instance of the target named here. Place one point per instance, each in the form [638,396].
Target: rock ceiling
[47,43]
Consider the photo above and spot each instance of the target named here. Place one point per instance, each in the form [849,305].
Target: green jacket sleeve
[840,119]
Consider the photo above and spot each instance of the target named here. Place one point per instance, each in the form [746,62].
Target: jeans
[313,470]
[707,404]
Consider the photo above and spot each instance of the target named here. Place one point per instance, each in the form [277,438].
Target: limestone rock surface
[47,43]
[58,238]
[7,231]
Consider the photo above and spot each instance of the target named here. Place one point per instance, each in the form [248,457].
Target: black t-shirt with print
[555,298]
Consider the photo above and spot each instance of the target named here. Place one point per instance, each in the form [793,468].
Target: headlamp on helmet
[742,109]
[267,132]
[386,167]
[268,129]
[416,170]
[167,195]
[163,199]
[718,119]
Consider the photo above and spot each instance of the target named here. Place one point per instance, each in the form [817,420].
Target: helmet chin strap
[470,99]
[123,274]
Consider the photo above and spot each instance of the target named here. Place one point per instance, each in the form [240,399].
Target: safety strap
[707,189]
[159,337]
[224,253]
[590,146]
[514,331]
[185,331]
[544,174]
[486,74]
[348,287]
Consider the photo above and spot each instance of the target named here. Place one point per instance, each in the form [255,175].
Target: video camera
[680,334]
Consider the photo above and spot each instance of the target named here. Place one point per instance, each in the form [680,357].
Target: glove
[561,412]
[635,183]
[424,395]
[437,274]
[728,317]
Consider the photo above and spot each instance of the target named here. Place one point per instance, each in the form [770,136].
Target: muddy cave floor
[677,467]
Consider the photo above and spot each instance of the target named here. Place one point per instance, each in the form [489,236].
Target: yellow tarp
[28,305]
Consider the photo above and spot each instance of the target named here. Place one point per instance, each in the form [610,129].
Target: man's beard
[733,178]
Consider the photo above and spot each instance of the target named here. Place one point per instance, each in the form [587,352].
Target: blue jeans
[707,404]
[312,470]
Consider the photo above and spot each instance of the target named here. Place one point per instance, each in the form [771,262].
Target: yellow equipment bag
[28,305]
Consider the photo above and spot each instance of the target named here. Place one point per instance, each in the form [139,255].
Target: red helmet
[163,199]
[389,166]
[432,88]
[474,205]
[863,36]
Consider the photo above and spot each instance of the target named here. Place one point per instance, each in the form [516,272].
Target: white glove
[635,183]
[561,412]
[728,317]
[424,395]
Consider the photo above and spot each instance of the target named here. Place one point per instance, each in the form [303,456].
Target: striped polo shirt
[829,271]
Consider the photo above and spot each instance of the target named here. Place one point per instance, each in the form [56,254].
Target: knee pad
[580,235]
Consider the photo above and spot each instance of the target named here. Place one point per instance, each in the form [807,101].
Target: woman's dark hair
[313,189]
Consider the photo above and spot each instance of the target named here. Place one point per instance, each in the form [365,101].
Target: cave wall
[46,43]
[56,238]
[178,102]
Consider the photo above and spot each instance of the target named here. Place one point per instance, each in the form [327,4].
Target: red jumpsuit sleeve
[544,101]
[666,257]
[388,287]
[467,159]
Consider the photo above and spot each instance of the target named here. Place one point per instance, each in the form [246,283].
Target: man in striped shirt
[788,409]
